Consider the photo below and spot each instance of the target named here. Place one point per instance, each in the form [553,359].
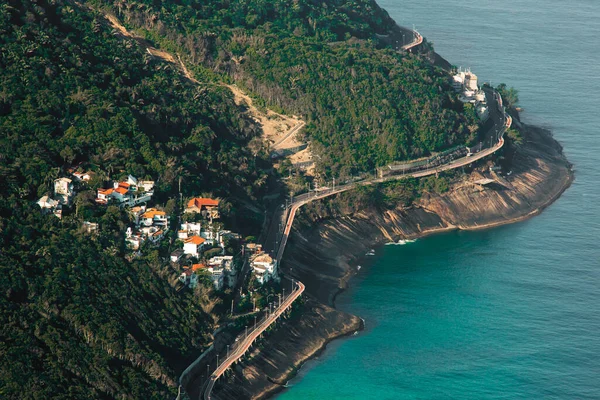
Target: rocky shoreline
[324,256]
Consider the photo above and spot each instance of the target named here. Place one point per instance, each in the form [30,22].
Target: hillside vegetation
[80,316]
[366,106]
[77,319]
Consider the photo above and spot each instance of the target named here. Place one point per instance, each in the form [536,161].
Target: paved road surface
[251,337]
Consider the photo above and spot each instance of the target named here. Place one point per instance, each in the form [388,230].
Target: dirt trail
[275,126]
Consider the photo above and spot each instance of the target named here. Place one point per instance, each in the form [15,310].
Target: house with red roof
[188,277]
[193,245]
[203,205]
[127,193]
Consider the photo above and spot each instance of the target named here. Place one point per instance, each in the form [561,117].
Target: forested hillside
[365,106]
[80,316]
[78,320]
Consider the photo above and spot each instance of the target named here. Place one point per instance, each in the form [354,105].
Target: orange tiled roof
[121,190]
[152,212]
[105,191]
[196,267]
[202,202]
[124,184]
[195,239]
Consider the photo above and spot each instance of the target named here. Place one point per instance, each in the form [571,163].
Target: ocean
[506,313]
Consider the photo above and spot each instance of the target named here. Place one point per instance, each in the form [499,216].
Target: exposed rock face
[322,256]
[267,370]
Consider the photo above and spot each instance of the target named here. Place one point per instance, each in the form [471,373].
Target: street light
[255,322]
[246,331]
[227,351]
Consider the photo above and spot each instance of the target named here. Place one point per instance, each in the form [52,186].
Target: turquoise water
[507,313]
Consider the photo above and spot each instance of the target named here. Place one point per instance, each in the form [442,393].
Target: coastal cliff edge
[323,254]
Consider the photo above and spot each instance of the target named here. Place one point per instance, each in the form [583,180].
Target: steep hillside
[365,105]
[77,318]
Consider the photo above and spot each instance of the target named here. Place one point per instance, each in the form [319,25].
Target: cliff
[323,255]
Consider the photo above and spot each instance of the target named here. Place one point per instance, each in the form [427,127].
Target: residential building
[137,212]
[134,240]
[483,112]
[215,272]
[189,229]
[47,204]
[252,248]
[176,255]
[189,278]
[154,217]
[63,190]
[225,263]
[210,234]
[209,208]
[90,227]
[104,195]
[193,246]
[152,233]
[263,267]
[126,193]
[82,176]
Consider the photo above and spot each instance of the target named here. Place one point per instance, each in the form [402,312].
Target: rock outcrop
[322,257]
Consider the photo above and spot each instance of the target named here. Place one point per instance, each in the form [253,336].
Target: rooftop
[202,202]
[264,258]
[197,240]
[152,212]
[197,267]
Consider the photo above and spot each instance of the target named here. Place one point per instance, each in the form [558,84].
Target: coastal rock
[323,256]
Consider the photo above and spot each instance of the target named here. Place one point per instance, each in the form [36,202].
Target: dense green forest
[366,105]
[78,320]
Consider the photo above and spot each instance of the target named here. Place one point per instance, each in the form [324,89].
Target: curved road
[306,198]
[240,349]
[247,342]
[418,39]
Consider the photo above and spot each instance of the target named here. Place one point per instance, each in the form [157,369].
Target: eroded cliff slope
[323,255]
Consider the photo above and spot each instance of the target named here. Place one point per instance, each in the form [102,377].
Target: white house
[152,233]
[210,234]
[90,227]
[225,263]
[63,190]
[193,245]
[139,185]
[126,193]
[264,267]
[471,81]
[136,212]
[82,176]
[216,273]
[152,216]
[63,186]
[483,112]
[189,278]
[47,203]
[134,240]
[189,229]
[176,255]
